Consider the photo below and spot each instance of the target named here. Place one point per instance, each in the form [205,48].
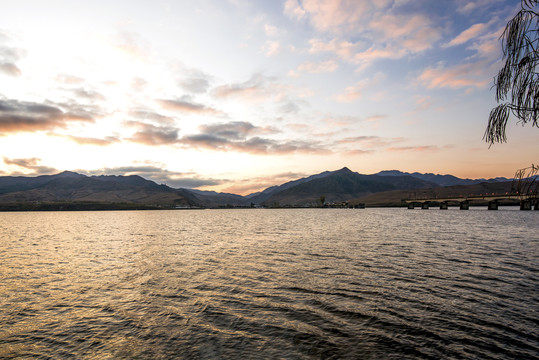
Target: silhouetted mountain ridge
[333,186]
[441,180]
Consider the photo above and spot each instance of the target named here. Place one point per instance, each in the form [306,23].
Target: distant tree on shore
[518,80]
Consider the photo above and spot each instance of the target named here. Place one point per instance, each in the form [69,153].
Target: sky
[236,95]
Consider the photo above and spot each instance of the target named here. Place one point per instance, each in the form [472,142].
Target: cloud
[317,68]
[371,142]
[255,89]
[192,80]
[472,32]
[293,9]
[8,59]
[69,79]
[134,45]
[233,130]
[272,47]
[354,92]
[375,118]
[365,31]
[148,134]
[147,114]
[195,85]
[31,166]
[466,7]
[422,103]
[423,148]
[272,31]
[344,49]
[10,69]
[330,15]
[468,75]
[188,107]
[21,116]
[88,94]
[233,136]
[159,175]
[254,145]
[359,152]
[109,140]
[256,184]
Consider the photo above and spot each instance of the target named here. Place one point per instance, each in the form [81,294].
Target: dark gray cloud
[19,116]
[234,136]
[206,140]
[30,164]
[148,134]
[187,106]
[255,145]
[233,130]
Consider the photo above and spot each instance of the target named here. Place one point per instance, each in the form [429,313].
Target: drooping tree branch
[518,80]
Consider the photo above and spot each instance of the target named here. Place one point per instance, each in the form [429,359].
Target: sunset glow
[239,95]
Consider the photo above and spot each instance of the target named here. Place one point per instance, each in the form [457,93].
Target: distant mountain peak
[70,174]
[344,170]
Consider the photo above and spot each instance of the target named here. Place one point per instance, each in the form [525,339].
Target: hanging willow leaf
[518,80]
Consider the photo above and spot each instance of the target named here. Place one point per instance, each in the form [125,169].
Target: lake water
[288,284]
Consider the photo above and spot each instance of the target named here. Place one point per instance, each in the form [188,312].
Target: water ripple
[299,284]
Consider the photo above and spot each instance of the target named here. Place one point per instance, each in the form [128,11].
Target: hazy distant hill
[73,187]
[342,185]
[441,180]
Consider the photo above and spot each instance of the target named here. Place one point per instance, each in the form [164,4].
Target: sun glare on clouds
[237,90]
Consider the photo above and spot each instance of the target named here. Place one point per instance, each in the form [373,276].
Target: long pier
[527,202]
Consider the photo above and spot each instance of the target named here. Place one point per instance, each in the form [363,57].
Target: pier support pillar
[525,205]
[443,205]
[411,206]
[493,205]
[425,206]
[465,205]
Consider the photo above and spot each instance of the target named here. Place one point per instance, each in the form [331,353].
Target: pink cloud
[469,75]
[468,34]
[386,33]
[317,68]
[272,48]
[354,92]
[344,49]
[424,148]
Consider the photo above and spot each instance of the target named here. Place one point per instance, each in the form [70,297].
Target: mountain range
[56,191]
